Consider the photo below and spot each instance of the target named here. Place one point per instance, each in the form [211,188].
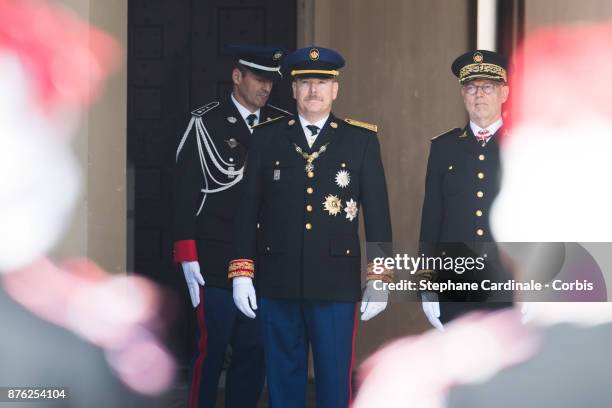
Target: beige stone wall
[98,230]
[397,76]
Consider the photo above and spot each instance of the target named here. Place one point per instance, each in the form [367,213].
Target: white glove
[431,307]
[244,295]
[373,301]
[193,277]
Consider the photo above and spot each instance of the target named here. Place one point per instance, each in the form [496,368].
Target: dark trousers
[221,324]
[289,327]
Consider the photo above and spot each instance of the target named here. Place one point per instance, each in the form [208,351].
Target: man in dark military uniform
[306,180]
[462,182]
[210,159]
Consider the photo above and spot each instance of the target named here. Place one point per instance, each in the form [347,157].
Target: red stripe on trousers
[194,395]
[352,358]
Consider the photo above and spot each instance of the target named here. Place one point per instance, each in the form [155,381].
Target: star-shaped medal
[332,204]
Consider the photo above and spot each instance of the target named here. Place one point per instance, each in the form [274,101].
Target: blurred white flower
[40,176]
[417,371]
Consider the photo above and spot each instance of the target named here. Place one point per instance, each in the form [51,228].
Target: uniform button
[310,174]
[277,163]
[480,232]
[478,213]
[309,190]
[480,175]
[308,226]
[309,208]
[479,194]
[481,157]
[348,251]
[268,249]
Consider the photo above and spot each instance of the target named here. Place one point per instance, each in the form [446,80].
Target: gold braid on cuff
[425,274]
[241,267]
[386,275]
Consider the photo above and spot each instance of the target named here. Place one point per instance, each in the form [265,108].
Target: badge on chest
[232,143]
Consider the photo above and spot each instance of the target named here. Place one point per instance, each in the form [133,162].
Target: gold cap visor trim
[314,71]
[482,70]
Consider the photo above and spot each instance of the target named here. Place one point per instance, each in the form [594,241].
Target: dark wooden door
[176,63]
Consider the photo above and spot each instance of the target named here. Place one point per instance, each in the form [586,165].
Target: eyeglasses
[473,89]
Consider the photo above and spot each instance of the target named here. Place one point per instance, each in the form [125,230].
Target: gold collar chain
[310,157]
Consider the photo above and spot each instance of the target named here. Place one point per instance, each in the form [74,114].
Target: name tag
[276,174]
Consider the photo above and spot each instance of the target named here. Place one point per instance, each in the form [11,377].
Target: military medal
[332,204]
[309,168]
[231,142]
[351,209]
[343,178]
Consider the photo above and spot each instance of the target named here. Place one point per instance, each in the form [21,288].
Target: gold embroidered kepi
[480,64]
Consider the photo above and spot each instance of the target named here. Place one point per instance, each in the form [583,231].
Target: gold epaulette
[364,125]
[445,133]
[267,121]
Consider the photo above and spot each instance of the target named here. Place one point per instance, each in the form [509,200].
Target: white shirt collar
[244,112]
[309,137]
[492,128]
[318,124]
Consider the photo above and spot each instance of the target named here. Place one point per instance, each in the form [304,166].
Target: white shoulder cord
[207,173]
[184,138]
[202,133]
[203,137]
